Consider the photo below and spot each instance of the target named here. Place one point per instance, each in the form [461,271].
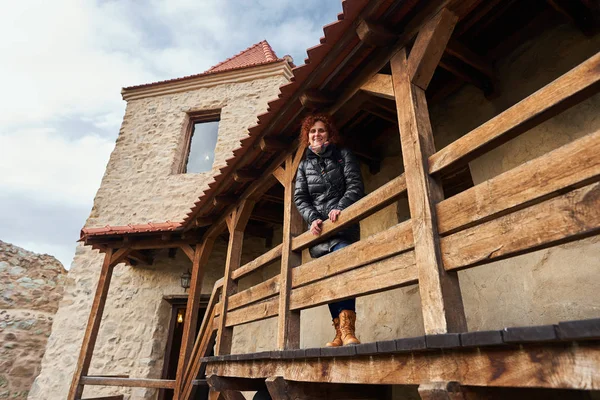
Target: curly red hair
[308,123]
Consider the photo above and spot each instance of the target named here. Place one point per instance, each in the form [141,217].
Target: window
[202,139]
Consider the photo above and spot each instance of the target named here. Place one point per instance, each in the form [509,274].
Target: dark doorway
[178,308]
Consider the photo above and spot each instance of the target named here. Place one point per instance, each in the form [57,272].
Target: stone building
[491,66]
[31,286]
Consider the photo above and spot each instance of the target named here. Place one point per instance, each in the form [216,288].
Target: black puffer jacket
[325,182]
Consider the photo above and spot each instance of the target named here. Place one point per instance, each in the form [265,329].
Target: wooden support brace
[236,223]
[224,200]
[281,389]
[199,259]
[441,299]
[380,85]
[93,325]
[429,47]
[140,257]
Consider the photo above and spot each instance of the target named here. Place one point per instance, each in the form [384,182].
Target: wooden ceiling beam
[272,144]
[224,200]
[375,34]
[141,256]
[584,14]
[315,99]
[243,175]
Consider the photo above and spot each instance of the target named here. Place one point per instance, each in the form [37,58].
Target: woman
[329,180]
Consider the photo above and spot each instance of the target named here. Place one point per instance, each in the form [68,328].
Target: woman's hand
[315,227]
[334,214]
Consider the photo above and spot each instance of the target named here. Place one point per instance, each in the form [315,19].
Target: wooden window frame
[193,118]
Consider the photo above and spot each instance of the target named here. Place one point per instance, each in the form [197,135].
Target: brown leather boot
[347,326]
[337,341]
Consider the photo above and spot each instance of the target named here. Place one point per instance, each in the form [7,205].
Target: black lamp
[185,280]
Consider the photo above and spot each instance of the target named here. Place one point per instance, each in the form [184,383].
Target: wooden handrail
[576,85]
[258,262]
[368,205]
[128,382]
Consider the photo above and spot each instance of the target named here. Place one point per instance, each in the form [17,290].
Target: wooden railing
[552,199]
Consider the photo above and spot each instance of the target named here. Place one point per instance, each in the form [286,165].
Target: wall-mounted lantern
[186,277]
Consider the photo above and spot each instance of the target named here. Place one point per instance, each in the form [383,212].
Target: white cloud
[47,167]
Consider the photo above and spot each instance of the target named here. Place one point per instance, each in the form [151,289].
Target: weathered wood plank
[429,47]
[440,391]
[368,205]
[571,88]
[91,331]
[254,312]
[384,244]
[552,366]
[129,382]
[288,323]
[257,263]
[440,292]
[261,291]
[201,255]
[568,217]
[383,275]
[570,166]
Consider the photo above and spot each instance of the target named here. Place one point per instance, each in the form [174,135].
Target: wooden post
[199,259]
[288,324]
[236,222]
[91,331]
[440,292]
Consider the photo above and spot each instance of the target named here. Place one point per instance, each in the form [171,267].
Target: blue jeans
[349,304]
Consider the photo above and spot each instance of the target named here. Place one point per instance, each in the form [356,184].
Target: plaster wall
[140,185]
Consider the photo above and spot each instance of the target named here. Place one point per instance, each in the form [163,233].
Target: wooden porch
[550,200]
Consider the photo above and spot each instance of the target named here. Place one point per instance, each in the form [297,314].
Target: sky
[62,66]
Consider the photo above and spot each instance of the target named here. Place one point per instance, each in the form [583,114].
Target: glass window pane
[202,148]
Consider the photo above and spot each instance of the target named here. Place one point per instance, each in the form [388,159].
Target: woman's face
[318,135]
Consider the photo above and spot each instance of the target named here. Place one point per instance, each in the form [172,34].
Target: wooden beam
[221,384]
[189,251]
[272,144]
[288,324]
[429,47]
[129,382]
[576,85]
[561,366]
[257,263]
[244,175]
[379,85]
[440,292]
[236,224]
[119,255]
[461,72]
[573,165]
[258,292]
[315,99]
[458,50]
[141,256]
[584,14]
[199,261]
[561,219]
[280,389]
[440,391]
[368,205]
[375,34]
[224,200]
[91,331]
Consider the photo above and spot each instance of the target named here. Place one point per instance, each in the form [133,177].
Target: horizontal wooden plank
[258,292]
[382,275]
[384,244]
[572,87]
[254,312]
[128,382]
[379,85]
[258,262]
[551,366]
[564,218]
[368,205]
[570,166]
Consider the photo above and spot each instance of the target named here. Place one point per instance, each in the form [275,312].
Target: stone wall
[31,285]
[140,185]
